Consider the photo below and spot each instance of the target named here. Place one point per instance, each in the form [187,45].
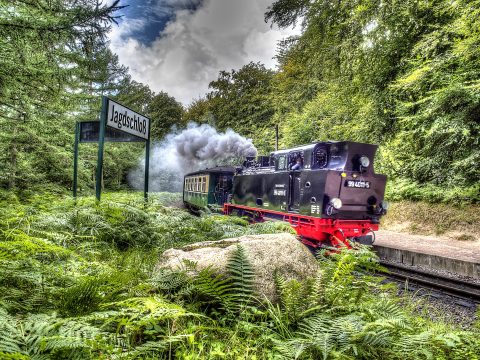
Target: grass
[77,281]
[460,222]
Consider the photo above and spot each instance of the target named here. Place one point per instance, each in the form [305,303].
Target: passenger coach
[208,187]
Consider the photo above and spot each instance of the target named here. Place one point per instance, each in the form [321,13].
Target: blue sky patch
[155,14]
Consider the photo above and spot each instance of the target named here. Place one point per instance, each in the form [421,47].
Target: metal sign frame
[101,145]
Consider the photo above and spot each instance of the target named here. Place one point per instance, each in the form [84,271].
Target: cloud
[197,43]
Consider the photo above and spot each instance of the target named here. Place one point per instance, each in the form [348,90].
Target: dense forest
[404,75]
[401,74]
[79,279]
[55,65]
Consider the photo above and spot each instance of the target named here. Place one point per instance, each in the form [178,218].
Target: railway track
[415,279]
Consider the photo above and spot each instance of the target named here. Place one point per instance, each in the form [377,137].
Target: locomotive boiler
[327,191]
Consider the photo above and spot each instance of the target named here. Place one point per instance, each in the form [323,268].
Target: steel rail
[456,287]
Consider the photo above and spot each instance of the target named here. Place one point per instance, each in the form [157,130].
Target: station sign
[117,123]
[126,120]
[90,133]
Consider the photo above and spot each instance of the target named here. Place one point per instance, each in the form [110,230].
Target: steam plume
[194,148]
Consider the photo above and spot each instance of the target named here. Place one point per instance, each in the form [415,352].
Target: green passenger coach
[208,187]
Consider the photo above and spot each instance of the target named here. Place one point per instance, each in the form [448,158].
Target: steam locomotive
[327,191]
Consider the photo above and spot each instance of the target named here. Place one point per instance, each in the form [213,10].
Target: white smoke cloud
[196,45]
[194,148]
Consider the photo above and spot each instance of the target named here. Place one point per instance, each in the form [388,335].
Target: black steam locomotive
[328,191]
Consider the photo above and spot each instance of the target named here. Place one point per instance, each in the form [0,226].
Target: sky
[180,46]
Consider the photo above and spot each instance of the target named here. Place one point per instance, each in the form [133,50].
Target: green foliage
[242,276]
[403,75]
[55,63]
[240,100]
[77,282]
[439,103]
[350,316]
[55,66]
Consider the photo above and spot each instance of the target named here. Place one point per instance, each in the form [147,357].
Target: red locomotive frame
[312,230]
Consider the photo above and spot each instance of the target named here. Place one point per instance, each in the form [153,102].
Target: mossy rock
[268,253]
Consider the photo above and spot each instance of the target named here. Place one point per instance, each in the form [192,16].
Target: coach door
[295,192]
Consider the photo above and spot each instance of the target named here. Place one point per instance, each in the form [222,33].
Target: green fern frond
[317,290]
[241,276]
[9,339]
[152,349]
[280,283]
[169,281]
[213,286]
[13,356]
[81,298]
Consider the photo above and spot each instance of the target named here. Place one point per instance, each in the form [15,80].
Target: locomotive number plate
[360,184]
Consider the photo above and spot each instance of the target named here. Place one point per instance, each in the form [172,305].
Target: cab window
[282,162]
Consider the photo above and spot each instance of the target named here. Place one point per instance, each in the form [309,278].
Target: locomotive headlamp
[336,203]
[364,161]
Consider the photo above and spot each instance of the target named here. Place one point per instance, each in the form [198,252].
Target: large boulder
[267,253]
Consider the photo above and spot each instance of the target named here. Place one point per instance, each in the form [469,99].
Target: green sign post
[117,124]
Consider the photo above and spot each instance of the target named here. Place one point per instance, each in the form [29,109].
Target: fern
[242,278]
[76,283]
[9,343]
[214,287]
[291,297]
[80,298]
[152,349]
